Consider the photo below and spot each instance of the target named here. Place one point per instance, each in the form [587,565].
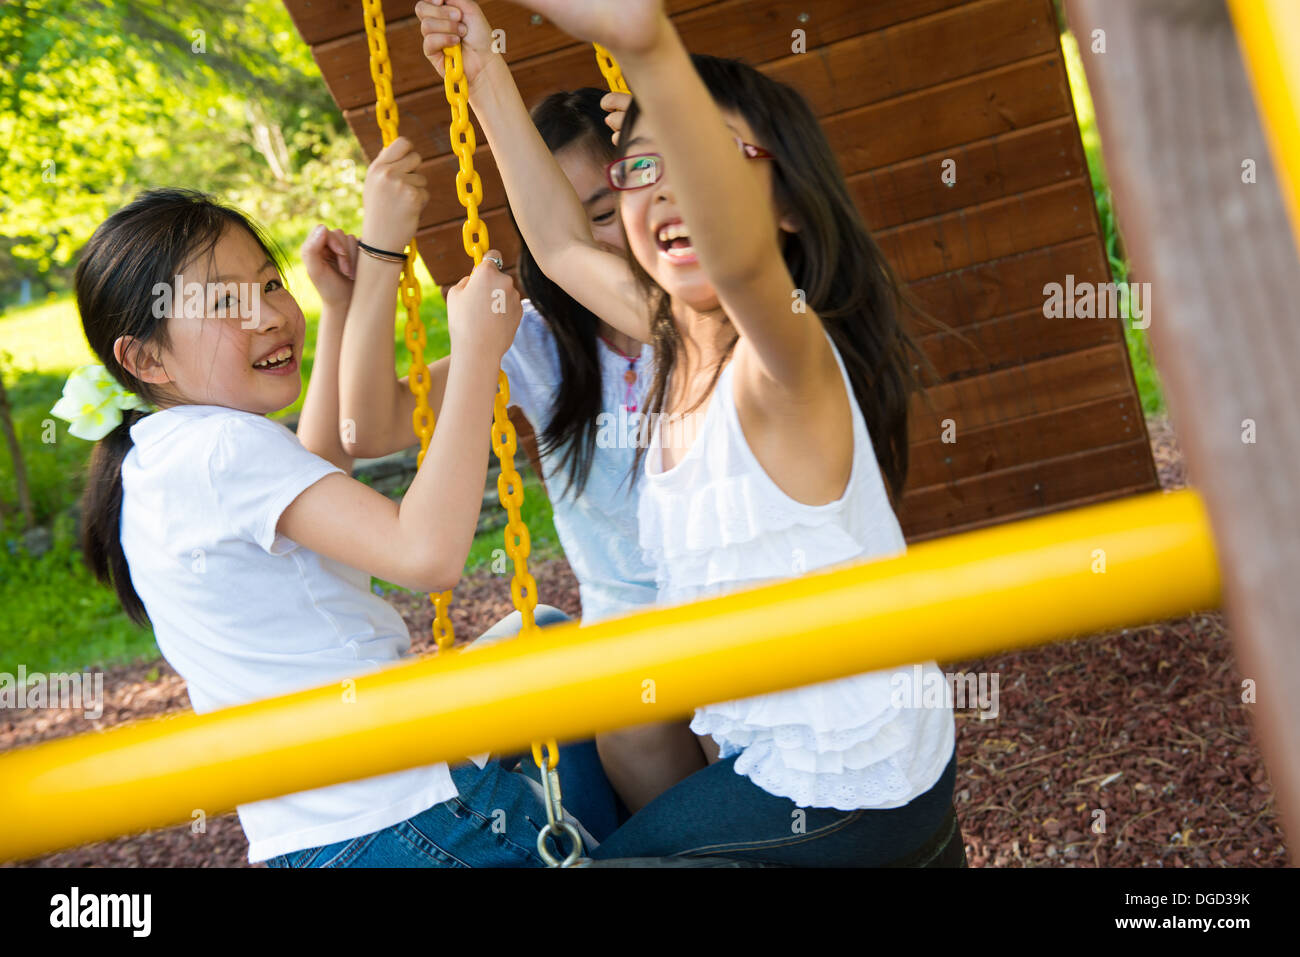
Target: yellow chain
[610,70]
[474,235]
[505,442]
[510,486]
[418,381]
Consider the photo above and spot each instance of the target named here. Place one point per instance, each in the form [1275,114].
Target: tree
[99,100]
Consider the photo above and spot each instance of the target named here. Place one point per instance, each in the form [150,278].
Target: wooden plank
[874,66]
[1004,227]
[321,20]
[444,205]
[1033,511]
[1033,489]
[986,170]
[951,115]
[1024,440]
[1013,340]
[1222,262]
[1009,285]
[1057,382]
[444,254]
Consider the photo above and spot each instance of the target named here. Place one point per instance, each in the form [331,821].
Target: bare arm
[549,213]
[421,543]
[318,425]
[729,211]
[375,407]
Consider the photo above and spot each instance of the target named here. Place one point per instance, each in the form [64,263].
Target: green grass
[1144,370]
[56,616]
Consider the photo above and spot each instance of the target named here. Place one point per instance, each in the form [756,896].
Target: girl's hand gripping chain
[616,105]
[393,196]
[445,23]
[483,312]
[631,26]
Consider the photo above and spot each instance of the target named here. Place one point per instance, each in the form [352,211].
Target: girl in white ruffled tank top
[777,445]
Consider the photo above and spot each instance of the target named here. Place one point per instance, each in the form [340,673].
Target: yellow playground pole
[1067,575]
[1268,32]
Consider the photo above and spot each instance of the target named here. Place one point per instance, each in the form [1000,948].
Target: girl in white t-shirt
[248,548]
[784,373]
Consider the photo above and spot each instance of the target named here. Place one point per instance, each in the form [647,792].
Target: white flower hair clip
[93,401]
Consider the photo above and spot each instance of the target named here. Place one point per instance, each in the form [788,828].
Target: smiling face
[248,358]
[657,233]
[599,201]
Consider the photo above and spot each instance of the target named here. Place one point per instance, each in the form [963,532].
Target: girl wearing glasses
[579,380]
[777,436]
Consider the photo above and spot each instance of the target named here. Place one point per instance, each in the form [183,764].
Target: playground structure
[1020,583]
[1046,414]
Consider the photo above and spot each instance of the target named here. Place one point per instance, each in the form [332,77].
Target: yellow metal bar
[1068,575]
[1268,32]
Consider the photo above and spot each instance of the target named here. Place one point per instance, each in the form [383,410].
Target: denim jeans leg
[717,812]
[510,625]
[585,791]
[494,822]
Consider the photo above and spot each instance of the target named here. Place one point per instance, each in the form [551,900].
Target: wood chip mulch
[1128,749]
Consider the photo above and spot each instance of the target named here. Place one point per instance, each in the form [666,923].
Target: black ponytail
[101,511]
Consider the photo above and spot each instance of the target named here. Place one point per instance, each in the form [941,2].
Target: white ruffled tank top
[716,522]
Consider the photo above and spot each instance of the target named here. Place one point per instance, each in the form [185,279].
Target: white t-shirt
[243,613]
[599,529]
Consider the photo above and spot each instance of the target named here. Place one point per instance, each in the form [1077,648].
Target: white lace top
[716,522]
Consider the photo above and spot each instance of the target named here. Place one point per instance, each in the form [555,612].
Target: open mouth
[674,242]
[280,359]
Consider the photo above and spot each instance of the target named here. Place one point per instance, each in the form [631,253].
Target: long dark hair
[143,244]
[832,258]
[570,119]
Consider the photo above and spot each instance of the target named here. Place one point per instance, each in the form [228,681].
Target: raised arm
[331,260]
[549,213]
[724,201]
[375,408]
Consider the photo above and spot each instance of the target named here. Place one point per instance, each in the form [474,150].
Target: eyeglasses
[646,169]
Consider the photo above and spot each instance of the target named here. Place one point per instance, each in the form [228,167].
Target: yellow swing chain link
[610,70]
[505,442]
[510,486]
[474,236]
[418,381]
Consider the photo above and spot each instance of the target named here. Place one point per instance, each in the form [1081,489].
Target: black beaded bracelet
[383,253]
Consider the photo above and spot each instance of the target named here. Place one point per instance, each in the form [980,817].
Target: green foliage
[1139,349]
[57,617]
[54,468]
[100,100]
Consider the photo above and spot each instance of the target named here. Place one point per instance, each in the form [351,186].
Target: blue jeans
[718,813]
[495,819]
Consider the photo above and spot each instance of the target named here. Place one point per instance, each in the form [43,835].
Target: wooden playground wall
[1046,412]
